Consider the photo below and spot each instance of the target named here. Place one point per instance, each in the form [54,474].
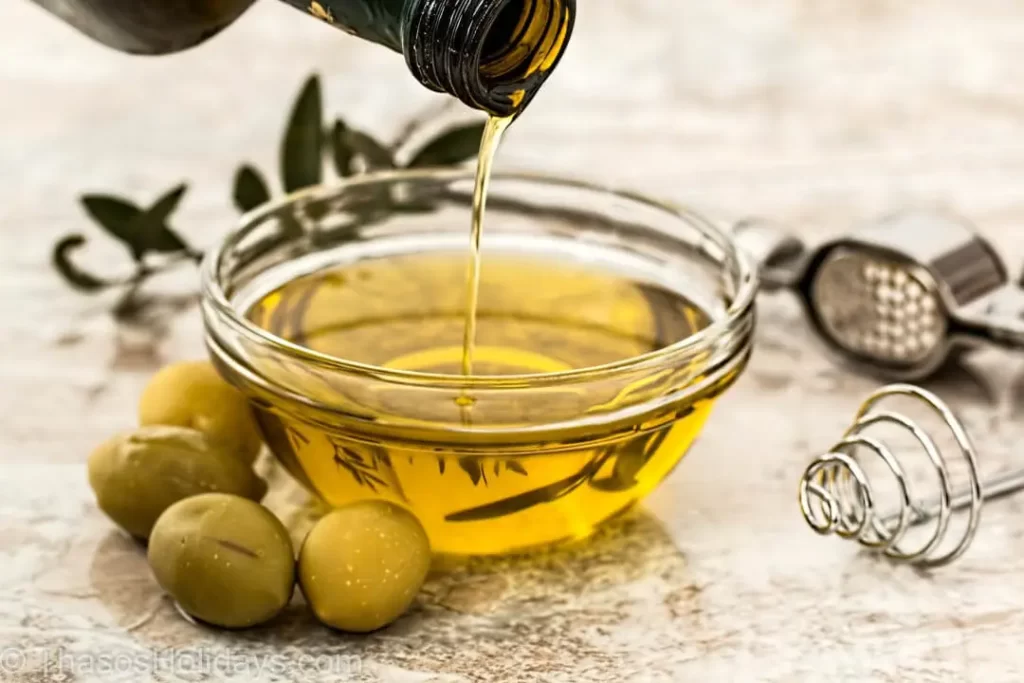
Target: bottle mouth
[522,45]
[493,55]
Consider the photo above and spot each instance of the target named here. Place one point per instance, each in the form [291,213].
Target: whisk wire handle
[836,495]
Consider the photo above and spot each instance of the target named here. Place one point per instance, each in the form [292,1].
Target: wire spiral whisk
[836,495]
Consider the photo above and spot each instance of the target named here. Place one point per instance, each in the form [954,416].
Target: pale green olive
[361,566]
[192,394]
[138,475]
[225,560]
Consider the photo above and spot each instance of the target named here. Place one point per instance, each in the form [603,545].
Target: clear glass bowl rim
[216,304]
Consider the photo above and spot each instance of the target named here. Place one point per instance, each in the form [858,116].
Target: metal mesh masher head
[899,294]
[879,309]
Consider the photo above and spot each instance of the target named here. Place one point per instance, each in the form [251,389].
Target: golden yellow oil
[503,489]
[494,131]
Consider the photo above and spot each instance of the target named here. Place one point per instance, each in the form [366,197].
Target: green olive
[138,475]
[361,566]
[226,560]
[192,394]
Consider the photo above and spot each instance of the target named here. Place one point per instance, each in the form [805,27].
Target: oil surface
[534,315]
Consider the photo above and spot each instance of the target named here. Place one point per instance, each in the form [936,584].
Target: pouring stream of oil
[417,311]
[494,131]
[358,437]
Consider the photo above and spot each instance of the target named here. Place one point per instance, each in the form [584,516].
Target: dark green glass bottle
[491,54]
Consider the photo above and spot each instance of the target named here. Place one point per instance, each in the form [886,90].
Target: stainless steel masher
[898,296]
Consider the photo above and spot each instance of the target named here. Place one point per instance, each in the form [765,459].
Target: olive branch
[310,147]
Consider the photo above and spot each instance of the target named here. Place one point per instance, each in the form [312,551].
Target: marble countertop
[818,114]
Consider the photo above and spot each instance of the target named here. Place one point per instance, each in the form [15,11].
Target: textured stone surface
[817,113]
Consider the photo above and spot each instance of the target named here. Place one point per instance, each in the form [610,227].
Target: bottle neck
[378,21]
[146,26]
[494,55]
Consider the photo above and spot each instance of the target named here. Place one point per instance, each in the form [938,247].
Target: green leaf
[250,189]
[168,203]
[301,150]
[630,460]
[514,466]
[471,466]
[141,231]
[529,499]
[450,148]
[117,218]
[77,278]
[341,149]
[375,155]
[151,228]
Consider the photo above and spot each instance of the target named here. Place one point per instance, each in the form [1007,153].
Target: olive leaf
[630,461]
[364,473]
[471,466]
[153,232]
[375,156]
[302,147]
[535,497]
[117,217]
[450,148]
[251,189]
[341,149]
[514,466]
[140,231]
[167,204]
[75,276]
[305,144]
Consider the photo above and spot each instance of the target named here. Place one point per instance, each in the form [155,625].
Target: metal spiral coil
[836,496]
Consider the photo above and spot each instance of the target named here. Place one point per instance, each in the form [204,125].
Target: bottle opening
[523,37]
[492,54]
[506,30]
[522,44]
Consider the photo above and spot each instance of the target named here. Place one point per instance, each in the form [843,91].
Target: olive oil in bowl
[536,315]
[606,326]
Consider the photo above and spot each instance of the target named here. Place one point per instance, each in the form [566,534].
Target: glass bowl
[548,451]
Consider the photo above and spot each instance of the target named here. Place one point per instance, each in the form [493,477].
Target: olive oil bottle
[491,54]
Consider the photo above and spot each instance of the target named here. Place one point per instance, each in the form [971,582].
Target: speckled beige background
[820,113]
